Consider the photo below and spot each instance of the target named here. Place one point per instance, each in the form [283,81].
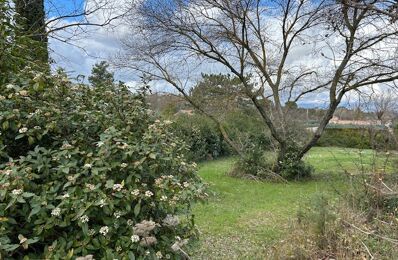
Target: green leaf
[28,194]
[137,209]
[70,254]
[12,221]
[96,243]
[11,203]
[9,248]
[85,228]
[19,136]
[31,140]
[131,256]
[34,211]
[109,184]
[109,254]
[21,200]
[5,125]
[32,240]
[37,86]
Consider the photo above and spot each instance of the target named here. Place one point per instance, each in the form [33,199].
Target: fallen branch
[391,240]
[367,250]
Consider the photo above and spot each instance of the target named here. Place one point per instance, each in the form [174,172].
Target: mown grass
[244,218]
[338,160]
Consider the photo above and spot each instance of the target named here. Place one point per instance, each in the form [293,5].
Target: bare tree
[383,104]
[385,7]
[296,48]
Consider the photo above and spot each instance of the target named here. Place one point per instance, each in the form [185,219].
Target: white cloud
[87,45]
[79,56]
[102,43]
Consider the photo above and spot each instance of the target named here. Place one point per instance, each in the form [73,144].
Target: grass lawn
[244,218]
[337,160]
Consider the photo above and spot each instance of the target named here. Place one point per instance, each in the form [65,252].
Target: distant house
[337,121]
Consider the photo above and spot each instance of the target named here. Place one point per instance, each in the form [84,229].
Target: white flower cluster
[158,182]
[90,186]
[66,146]
[84,219]
[56,212]
[117,187]
[23,93]
[123,146]
[148,194]
[104,230]
[16,191]
[23,130]
[117,214]
[123,165]
[135,192]
[135,238]
[91,232]
[102,203]
[10,86]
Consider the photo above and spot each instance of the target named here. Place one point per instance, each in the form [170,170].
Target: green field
[338,160]
[244,218]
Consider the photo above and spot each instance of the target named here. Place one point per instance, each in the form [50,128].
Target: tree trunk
[31,19]
[318,133]
[280,159]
